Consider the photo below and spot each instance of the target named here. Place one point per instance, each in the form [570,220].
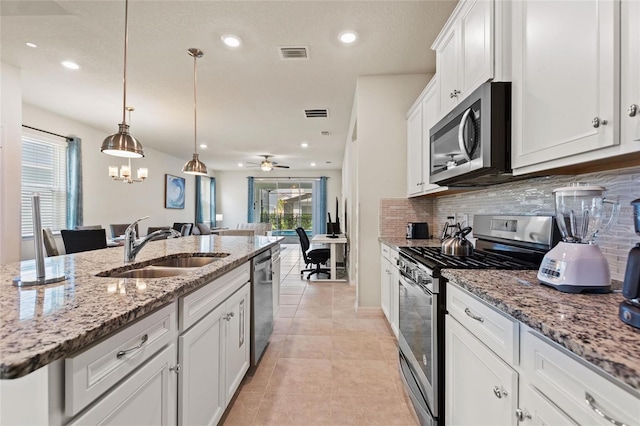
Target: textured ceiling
[250,102]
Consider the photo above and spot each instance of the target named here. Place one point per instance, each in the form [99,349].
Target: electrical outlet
[462,219]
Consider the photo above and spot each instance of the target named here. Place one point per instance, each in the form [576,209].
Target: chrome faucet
[132,247]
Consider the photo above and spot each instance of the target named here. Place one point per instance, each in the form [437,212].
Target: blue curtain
[199,212]
[74,182]
[319,222]
[250,200]
[212,198]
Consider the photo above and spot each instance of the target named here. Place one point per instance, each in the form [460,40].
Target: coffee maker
[630,308]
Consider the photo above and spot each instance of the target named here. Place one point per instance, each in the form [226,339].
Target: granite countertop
[585,324]
[41,324]
[403,242]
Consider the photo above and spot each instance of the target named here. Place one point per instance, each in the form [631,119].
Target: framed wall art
[173,192]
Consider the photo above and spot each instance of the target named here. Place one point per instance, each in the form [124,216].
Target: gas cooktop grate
[433,257]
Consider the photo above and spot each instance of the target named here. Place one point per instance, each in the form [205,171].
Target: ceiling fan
[267,165]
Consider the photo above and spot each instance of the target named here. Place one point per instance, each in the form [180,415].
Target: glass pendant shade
[266,166]
[122,144]
[195,167]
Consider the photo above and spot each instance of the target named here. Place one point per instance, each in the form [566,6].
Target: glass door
[286,205]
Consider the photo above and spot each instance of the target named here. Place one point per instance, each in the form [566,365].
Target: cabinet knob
[229,316]
[454,94]
[632,110]
[597,121]
[499,392]
[175,368]
[522,415]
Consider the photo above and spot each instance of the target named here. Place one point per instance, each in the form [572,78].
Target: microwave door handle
[461,141]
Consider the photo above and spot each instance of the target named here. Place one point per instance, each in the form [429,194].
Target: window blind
[44,170]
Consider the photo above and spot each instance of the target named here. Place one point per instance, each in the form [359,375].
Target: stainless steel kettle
[458,245]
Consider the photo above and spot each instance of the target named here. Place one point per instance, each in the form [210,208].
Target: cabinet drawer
[578,389]
[385,250]
[93,371]
[496,330]
[196,305]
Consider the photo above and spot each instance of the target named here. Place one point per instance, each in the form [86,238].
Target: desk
[324,239]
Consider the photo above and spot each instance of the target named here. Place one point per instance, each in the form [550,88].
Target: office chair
[85,227]
[118,229]
[50,245]
[316,256]
[88,239]
[185,229]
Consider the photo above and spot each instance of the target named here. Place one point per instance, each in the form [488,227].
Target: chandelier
[124,173]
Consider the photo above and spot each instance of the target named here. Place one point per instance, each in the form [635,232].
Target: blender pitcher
[576,264]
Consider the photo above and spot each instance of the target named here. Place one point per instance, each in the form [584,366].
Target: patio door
[287,205]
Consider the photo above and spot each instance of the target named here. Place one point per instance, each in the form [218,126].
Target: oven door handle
[414,286]
[461,142]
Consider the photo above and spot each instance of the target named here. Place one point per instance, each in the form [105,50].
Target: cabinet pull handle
[632,110]
[499,392]
[241,324]
[120,354]
[522,415]
[597,121]
[472,315]
[591,402]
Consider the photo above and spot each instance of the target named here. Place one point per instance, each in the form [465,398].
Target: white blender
[576,264]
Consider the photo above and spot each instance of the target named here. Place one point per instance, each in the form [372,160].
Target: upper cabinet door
[476,30]
[630,72]
[465,52]
[414,151]
[565,78]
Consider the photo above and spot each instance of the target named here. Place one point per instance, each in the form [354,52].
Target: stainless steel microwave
[471,146]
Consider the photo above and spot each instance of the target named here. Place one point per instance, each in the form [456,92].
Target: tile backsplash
[533,196]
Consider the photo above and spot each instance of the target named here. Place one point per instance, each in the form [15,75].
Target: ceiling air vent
[294,52]
[316,113]
[325,133]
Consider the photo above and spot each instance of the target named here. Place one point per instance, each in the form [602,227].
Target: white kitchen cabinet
[464,52]
[389,295]
[571,89]
[147,397]
[421,117]
[213,356]
[536,410]
[276,276]
[481,389]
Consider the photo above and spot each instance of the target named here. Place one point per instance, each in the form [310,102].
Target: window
[44,170]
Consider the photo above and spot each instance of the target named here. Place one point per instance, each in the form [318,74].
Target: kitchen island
[44,327]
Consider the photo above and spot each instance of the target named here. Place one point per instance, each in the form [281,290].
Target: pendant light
[124,173]
[122,144]
[195,166]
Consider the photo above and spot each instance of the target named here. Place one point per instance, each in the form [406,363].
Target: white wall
[10,159]
[232,195]
[380,167]
[106,201]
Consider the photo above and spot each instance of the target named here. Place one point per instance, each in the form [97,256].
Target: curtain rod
[44,131]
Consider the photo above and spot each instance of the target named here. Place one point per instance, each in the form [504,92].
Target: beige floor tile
[389,347]
[244,409]
[276,343]
[258,379]
[347,312]
[281,325]
[292,290]
[314,311]
[361,377]
[369,410]
[311,327]
[286,311]
[294,409]
[292,283]
[309,347]
[355,327]
[295,375]
[290,299]
[350,347]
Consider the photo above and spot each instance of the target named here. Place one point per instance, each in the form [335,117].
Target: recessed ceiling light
[231,40]
[203,145]
[313,164]
[32,44]
[240,164]
[71,65]
[304,144]
[348,37]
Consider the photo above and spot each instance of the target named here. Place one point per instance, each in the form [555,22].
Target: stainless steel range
[504,242]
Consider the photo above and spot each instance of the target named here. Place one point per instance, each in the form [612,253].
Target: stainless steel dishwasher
[261,305]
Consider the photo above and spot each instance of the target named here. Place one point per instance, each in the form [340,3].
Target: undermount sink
[166,267]
[150,272]
[186,262]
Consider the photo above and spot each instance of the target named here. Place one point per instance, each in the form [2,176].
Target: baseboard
[369,312]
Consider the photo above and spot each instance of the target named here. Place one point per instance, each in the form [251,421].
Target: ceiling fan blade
[280,167]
